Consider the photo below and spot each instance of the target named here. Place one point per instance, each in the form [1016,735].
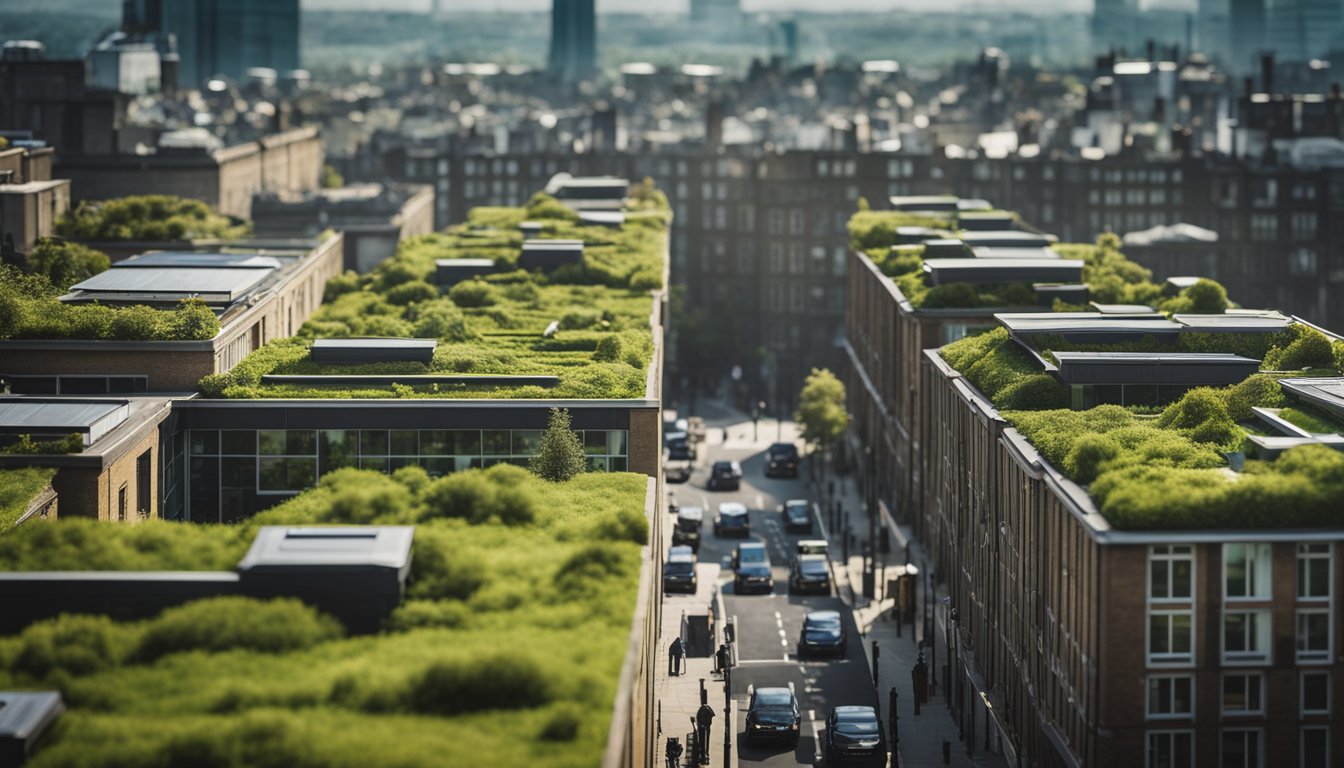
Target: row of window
[1237,748]
[1247,572]
[1243,695]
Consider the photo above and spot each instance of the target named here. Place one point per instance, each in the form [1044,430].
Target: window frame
[1170,659]
[1252,573]
[1302,710]
[1302,744]
[1149,714]
[1314,656]
[1258,711]
[1304,556]
[1261,629]
[1170,734]
[1258,759]
[1169,558]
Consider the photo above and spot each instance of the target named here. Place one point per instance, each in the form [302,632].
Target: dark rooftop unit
[589,188]
[1014,252]
[450,272]
[1124,309]
[361,351]
[1233,323]
[1096,329]
[1326,393]
[1008,239]
[932,203]
[918,235]
[1173,369]
[169,284]
[200,260]
[356,574]
[57,417]
[974,205]
[945,248]
[1069,293]
[550,255]
[611,219]
[974,221]
[531,229]
[25,718]
[942,271]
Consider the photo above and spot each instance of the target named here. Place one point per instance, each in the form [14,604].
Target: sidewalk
[920,738]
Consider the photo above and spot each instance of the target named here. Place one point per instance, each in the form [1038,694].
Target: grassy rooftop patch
[495,325]
[18,488]
[147,217]
[30,309]
[505,652]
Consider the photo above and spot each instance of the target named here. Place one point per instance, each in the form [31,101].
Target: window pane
[373,443]
[496,442]
[238,472]
[1235,555]
[238,442]
[1234,632]
[1180,633]
[1180,578]
[377,463]
[1316,692]
[287,474]
[464,442]
[404,442]
[204,442]
[595,442]
[526,442]
[1180,695]
[1158,638]
[1315,748]
[616,442]
[434,442]
[337,448]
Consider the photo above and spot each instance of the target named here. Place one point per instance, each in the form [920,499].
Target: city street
[768,625]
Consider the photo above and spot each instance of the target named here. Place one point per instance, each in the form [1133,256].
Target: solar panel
[90,418]
[370,350]
[199,260]
[1004,270]
[214,284]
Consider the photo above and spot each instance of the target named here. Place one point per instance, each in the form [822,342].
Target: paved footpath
[921,738]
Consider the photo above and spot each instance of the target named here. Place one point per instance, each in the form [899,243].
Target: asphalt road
[768,626]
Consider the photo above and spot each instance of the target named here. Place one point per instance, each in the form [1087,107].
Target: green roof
[601,345]
[18,488]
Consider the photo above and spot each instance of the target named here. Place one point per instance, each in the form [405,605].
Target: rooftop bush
[877,229]
[18,487]
[146,217]
[65,263]
[512,639]
[26,445]
[489,325]
[1004,372]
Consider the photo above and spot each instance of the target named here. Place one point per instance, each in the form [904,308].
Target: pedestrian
[673,753]
[704,718]
[675,654]
[722,658]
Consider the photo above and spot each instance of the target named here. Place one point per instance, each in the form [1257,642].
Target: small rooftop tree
[561,455]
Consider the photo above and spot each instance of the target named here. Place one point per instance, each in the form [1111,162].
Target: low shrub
[348,281]
[505,680]
[592,565]
[75,645]
[1309,348]
[65,263]
[473,294]
[482,496]
[950,295]
[411,292]
[1088,454]
[563,724]
[25,444]
[230,623]
[146,217]
[1337,352]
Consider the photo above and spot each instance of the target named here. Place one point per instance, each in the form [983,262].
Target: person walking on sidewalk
[723,658]
[704,718]
[675,654]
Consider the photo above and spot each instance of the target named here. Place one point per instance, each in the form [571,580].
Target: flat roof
[1326,393]
[1232,323]
[1098,323]
[602,218]
[200,260]
[1123,309]
[381,546]
[372,350]
[1014,252]
[465,263]
[213,284]
[25,714]
[1010,238]
[941,203]
[552,245]
[974,205]
[1004,270]
[1174,369]
[62,416]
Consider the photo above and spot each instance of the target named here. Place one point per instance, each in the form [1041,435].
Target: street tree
[561,455]
[821,412]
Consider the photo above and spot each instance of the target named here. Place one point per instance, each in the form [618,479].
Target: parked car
[854,733]
[781,460]
[823,634]
[751,568]
[813,547]
[680,447]
[732,520]
[677,471]
[725,476]
[797,515]
[810,573]
[679,570]
[687,530]
[773,715]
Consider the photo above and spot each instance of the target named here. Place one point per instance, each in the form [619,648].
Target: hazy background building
[219,37]
[573,39]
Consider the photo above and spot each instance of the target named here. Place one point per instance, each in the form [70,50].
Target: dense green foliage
[18,487]
[1307,348]
[560,456]
[25,444]
[146,217]
[1004,372]
[822,415]
[877,229]
[65,263]
[491,325]
[1312,420]
[29,309]
[510,640]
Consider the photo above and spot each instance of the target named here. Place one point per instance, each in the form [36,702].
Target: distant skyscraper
[717,11]
[1115,24]
[220,37]
[1246,19]
[1304,29]
[573,39]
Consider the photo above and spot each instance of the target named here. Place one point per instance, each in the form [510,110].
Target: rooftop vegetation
[147,217]
[492,325]
[1138,466]
[506,651]
[65,263]
[18,488]
[30,309]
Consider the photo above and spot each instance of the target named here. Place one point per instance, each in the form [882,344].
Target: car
[679,570]
[679,447]
[751,568]
[781,460]
[823,633]
[813,547]
[797,515]
[854,733]
[677,471]
[687,530]
[773,715]
[810,573]
[732,520]
[725,476]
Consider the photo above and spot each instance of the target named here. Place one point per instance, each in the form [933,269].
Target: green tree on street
[821,413]
[561,455]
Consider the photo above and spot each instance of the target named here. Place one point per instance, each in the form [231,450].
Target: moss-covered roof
[602,346]
[18,488]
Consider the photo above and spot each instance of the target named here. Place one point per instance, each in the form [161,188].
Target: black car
[751,568]
[810,573]
[732,520]
[797,515]
[781,460]
[823,633]
[773,715]
[679,448]
[725,476]
[854,733]
[687,530]
[679,571]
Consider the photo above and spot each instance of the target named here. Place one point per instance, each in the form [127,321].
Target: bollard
[875,652]
[947,752]
[895,719]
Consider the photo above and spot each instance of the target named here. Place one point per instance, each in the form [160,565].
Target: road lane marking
[760,502]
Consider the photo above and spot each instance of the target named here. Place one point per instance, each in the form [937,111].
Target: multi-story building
[217,39]
[573,54]
[1096,615]
[30,200]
